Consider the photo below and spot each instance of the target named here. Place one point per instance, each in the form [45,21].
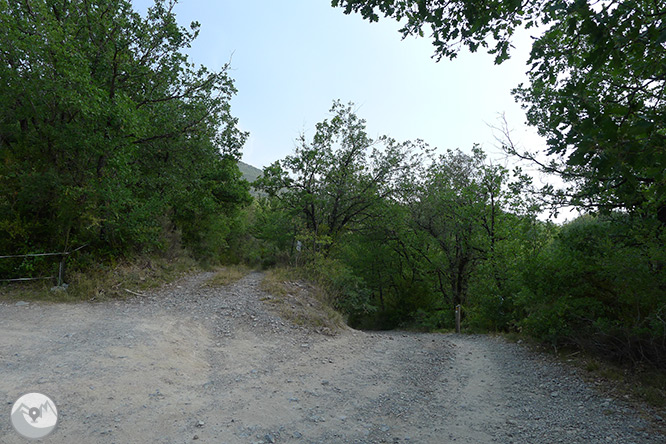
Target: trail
[190,363]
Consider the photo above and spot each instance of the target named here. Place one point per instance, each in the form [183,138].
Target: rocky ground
[191,363]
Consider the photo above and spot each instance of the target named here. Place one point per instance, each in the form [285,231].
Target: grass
[652,389]
[275,280]
[101,282]
[301,302]
[228,275]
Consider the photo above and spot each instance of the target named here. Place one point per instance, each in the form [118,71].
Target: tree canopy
[111,137]
[108,133]
[336,181]
[597,74]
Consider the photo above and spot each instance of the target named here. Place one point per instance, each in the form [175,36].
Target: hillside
[250,173]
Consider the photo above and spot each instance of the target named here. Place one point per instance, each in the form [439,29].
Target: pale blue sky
[292,58]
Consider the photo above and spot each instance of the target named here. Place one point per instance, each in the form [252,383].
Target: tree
[596,90]
[457,207]
[455,23]
[335,182]
[597,94]
[595,287]
[107,129]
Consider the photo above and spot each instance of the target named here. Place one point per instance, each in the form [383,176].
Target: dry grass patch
[301,302]
[102,282]
[228,275]
[130,278]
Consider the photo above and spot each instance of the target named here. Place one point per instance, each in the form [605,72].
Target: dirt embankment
[190,363]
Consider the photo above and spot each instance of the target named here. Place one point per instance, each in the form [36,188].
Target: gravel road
[190,363]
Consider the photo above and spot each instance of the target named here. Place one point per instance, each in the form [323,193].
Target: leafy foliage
[599,287]
[454,24]
[595,91]
[106,130]
[458,230]
[398,234]
[335,182]
[111,137]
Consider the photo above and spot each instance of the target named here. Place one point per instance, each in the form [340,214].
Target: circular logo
[34,415]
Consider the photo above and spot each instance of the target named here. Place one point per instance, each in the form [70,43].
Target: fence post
[458,318]
[61,270]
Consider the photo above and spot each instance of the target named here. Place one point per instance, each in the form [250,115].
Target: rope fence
[61,266]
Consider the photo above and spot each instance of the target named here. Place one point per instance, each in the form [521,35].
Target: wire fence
[59,277]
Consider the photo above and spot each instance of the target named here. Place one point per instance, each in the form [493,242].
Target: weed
[276,280]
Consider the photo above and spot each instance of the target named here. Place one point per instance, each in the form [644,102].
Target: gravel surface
[190,363]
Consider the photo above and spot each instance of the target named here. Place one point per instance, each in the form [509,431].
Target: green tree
[596,85]
[595,287]
[596,93]
[336,182]
[385,254]
[459,205]
[107,129]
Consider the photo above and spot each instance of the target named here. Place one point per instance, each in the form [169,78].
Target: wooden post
[61,270]
[458,318]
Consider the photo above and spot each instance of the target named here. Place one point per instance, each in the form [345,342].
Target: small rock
[200,424]
[195,437]
[22,303]
[325,382]
[269,438]
[59,288]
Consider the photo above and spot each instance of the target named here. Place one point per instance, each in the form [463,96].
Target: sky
[291,59]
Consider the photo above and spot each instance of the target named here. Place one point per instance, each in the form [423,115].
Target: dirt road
[191,363]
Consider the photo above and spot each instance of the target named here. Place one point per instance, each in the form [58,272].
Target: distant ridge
[249,172]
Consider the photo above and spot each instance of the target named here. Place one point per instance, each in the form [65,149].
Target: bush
[349,294]
[601,287]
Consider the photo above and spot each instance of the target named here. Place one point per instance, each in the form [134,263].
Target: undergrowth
[104,281]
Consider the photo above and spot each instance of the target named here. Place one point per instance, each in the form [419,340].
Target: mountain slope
[250,173]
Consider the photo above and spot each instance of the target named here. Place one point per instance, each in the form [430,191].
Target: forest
[112,139]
